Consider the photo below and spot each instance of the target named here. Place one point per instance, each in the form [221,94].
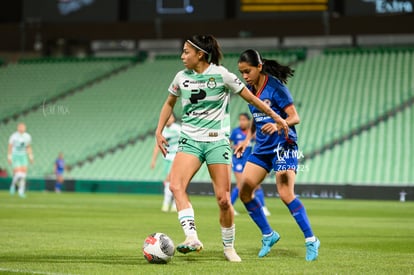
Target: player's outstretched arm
[166,112]
[281,124]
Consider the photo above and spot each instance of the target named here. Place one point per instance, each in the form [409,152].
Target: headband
[197,47]
[259,58]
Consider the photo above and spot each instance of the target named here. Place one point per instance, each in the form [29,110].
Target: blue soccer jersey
[60,166]
[278,97]
[237,136]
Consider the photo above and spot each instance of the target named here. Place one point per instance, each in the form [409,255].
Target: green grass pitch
[103,234]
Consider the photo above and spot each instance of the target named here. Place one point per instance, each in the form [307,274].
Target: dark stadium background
[127,34]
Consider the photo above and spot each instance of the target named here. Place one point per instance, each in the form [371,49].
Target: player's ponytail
[271,67]
[209,46]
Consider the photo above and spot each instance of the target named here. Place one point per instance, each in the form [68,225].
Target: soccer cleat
[164,208]
[191,244]
[267,243]
[236,213]
[266,211]
[231,255]
[173,208]
[312,250]
[23,196]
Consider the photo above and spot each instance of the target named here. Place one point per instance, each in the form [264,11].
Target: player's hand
[239,150]
[271,128]
[162,143]
[9,161]
[282,126]
[152,165]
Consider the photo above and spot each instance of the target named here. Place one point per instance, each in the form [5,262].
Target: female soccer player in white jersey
[266,79]
[19,149]
[172,134]
[204,87]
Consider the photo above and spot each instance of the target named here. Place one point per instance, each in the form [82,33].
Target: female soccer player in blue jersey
[59,171]
[204,87]
[266,79]
[237,136]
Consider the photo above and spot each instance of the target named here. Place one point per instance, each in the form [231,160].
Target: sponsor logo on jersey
[260,117]
[194,84]
[237,81]
[195,113]
[213,134]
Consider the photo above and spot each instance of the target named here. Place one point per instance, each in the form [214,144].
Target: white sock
[228,235]
[16,178]
[186,218]
[310,239]
[168,195]
[22,185]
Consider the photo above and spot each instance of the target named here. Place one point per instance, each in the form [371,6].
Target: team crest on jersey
[211,83]
[268,102]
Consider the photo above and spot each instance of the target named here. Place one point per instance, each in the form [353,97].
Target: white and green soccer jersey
[19,143]
[205,99]
[172,135]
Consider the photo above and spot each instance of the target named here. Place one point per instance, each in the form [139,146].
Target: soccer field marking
[31,271]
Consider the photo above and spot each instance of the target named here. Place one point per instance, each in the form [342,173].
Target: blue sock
[259,194]
[234,194]
[298,211]
[256,213]
[58,186]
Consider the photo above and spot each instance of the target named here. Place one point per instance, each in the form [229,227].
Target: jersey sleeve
[232,82]
[29,139]
[174,87]
[11,139]
[282,96]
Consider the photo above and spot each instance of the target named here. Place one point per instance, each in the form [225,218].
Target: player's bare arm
[166,112]
[281,124]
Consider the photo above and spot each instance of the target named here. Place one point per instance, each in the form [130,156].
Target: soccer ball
[158,248]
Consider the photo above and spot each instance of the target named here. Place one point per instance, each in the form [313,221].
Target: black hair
[246,115]
[271,67]
[208,45]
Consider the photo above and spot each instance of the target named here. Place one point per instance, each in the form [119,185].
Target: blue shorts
[286,158]
[238,164]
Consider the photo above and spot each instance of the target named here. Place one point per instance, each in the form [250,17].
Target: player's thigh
[220,175]
[253,175]
[184,167]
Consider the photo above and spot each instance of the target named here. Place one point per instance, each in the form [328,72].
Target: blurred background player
[172,134]
[19,151]
[59,171]
[238,135]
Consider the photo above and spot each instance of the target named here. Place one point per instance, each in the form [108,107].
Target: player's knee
[245,193]
[223,202]
[174,188]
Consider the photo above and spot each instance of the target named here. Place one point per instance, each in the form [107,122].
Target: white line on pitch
[31,271]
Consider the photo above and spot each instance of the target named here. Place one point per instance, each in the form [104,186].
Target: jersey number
[197,95]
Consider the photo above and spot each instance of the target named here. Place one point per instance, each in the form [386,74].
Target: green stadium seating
[28,84]
[335,93]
